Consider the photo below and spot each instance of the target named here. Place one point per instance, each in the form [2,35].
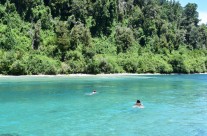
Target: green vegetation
[100,36]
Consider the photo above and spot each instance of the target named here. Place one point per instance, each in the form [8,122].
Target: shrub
[38,64]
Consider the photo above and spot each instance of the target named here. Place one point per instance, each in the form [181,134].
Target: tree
[124,39]
[104,14]
[63,39]
[190,20]
[36,37]
[43,14]
[79,35]
[24,7]
[75,62]
[202,37]
[60,8]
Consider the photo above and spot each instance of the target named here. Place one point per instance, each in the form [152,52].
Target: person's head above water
[138,104]
[94,91]
[138,101]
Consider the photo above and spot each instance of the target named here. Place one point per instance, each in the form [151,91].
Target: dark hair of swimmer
[138,101]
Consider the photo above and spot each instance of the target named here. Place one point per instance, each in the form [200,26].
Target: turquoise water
[175,105]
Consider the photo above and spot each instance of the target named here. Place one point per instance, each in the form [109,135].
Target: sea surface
[175,105]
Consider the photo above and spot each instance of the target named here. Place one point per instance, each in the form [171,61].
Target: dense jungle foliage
[100,36]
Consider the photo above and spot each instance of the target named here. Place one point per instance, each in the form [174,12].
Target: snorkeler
[138,104]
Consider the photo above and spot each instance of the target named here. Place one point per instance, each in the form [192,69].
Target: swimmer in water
[138,104]
[91,93]
[94,92]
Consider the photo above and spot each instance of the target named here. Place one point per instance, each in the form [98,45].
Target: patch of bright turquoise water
[175,105]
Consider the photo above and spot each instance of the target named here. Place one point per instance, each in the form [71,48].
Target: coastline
[99,75]
[82,75]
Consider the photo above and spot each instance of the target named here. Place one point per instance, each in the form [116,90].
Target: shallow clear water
[175,105]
